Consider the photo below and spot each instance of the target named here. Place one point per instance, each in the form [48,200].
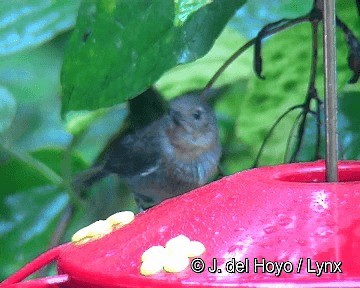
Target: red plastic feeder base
[284,224]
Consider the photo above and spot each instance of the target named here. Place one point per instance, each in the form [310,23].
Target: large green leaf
[17,175]
[27,224]
[184,8]
[28,23]
[30,204]
[112,56]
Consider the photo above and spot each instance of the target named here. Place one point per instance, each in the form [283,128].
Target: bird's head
[192,123]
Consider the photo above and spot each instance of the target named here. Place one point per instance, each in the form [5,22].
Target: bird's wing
[133,154]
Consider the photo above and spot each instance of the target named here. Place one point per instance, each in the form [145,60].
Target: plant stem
[41,168]
[247,45]
[268,134]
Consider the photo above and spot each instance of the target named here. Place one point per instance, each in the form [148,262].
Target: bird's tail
[85,179]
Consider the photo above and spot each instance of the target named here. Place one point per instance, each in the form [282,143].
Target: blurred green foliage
[40,152]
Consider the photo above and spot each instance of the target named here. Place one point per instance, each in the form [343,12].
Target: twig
[65,218]
[288,142]
[354,50]
[57,236]
[268,134]
[67,174]
[41,168]
[311,92]
[247,45]
[61,226]
[300,135]
[257,47]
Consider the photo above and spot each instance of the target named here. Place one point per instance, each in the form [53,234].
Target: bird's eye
[197,114]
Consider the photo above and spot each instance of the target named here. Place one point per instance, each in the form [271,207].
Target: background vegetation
[63,88]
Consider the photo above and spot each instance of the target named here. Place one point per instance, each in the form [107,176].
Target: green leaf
[16,175]
[30,206]
[7,109]
[184,8]
[102,69]
[202,28]
[28,23]
[79,121]
[27,223]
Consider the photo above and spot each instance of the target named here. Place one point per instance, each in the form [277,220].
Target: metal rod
[329,36]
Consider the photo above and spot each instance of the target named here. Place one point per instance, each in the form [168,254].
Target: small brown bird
[167,157]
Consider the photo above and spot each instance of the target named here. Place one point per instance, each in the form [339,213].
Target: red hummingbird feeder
[290,225]
[280,226]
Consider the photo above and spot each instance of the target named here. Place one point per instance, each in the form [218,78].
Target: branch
[288,142]
[247,45]
[268,134]
[354,50]
[266,30]
[38,166]
[311,92]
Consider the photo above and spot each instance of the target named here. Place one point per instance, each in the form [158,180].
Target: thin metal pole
[329,36]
